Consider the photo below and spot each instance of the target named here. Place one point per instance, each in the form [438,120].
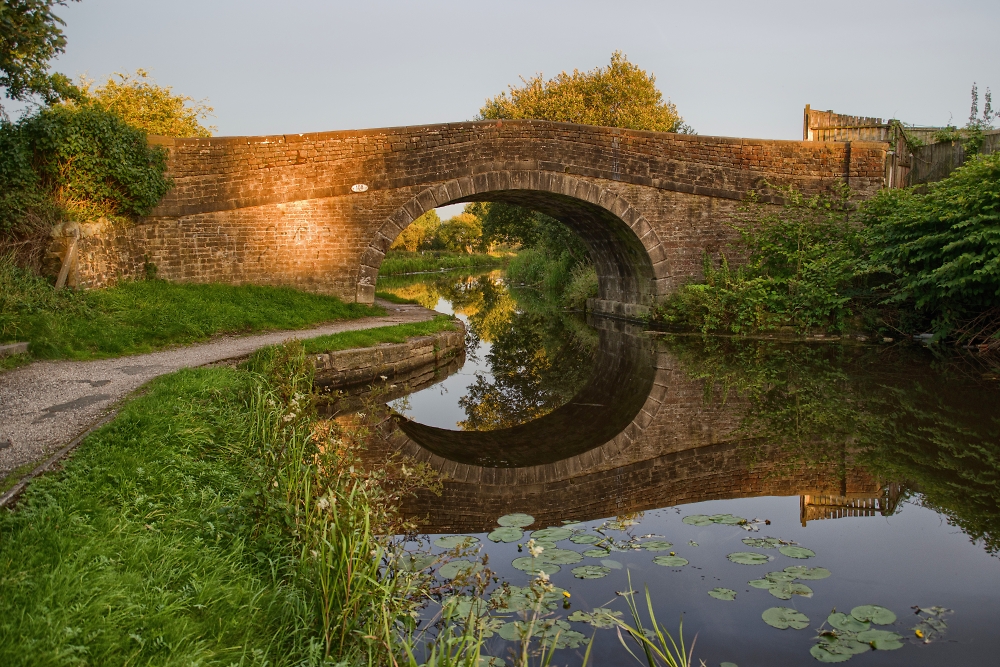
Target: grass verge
[142,316]
[215,521]
[369,337]
[401,262]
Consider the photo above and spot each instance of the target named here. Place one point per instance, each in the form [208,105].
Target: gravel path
[47,404]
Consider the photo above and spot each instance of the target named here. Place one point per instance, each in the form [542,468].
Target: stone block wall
[318,211]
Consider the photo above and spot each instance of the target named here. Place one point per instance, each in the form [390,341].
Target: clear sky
[734,68]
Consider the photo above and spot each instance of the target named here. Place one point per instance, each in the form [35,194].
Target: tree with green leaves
[30,36]
[619,95]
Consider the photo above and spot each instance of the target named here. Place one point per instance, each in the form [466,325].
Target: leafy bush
[801,269]
[75,162]
[941,250]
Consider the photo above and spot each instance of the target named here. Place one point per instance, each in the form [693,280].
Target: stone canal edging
[347,368]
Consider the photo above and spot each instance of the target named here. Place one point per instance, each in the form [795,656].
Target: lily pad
[534,565]
[728,664]
[692,543]
[552,632]
[560,556]
[846,623]
[786,589]
[697,520]
[585,538]
[656,545]
[458,567]
[761,542]
[727,519]
[591,572]
[748,558]
[452,541]
[416,562]
[761,583]
[785,617]
[613,564]
[460,607]
[807,573]
[777,577]
[506,534]
[670,561]
[837,649]
[723,593]
[596,553]
[599,618]
[516,520]
[518,598]
[874,613]
[793,551]
[881,640]
[553,534]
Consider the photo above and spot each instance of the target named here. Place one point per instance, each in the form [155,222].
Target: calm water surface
[883,461]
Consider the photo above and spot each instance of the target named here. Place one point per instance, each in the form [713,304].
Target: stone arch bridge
[318,211]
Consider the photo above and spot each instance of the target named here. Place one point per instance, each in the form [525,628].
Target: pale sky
[733,68]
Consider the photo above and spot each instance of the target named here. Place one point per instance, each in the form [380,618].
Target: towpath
[48,404]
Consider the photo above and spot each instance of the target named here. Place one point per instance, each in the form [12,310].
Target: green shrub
[941,250]
[75,162]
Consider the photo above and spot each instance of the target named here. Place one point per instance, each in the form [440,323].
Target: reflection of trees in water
[539,356]
[928,427]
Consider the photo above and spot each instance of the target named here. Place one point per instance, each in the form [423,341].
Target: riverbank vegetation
[140,316]
[905,262]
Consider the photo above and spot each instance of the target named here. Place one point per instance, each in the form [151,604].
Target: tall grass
[560,278]
[141,316]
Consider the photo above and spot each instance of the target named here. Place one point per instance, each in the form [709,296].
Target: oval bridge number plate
[359,187]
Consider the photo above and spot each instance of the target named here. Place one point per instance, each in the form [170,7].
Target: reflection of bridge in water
[642,434]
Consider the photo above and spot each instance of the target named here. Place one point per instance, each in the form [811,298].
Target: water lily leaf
[808,573]
[416,562]
[777,577]
[569,523]
[692,543]
[874,613]
[553,534]
[457,567]
[881,640]
[728,664]
[761,583]
[516,520]
[513,631]
[545,544]
[452,541]
[670,561]
[591,571]
[748,558]
[698,520]
[846,623]
[613,564]
[656,545]
[506,534]
[560,557]
[761,542]
[784,590]
[599,618]
[822,653]
[585,538]
[596,553]
[517,598]
[723,593]
[785,617]
[727,519]
[793,551]
[534,565]
[460,607]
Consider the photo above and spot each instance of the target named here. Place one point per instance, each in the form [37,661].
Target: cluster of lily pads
[847,635]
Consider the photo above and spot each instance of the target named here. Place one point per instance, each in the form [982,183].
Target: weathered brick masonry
[281,210]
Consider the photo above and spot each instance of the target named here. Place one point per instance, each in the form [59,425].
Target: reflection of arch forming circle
[619,386]
[627,253]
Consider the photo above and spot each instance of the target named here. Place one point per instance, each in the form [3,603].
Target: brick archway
[631,264]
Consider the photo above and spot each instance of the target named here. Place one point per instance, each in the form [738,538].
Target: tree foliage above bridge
[30,36]
[619,95]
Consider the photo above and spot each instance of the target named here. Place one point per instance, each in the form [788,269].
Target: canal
[790,502]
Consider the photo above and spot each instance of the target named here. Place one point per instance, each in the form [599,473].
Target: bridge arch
[627,253]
